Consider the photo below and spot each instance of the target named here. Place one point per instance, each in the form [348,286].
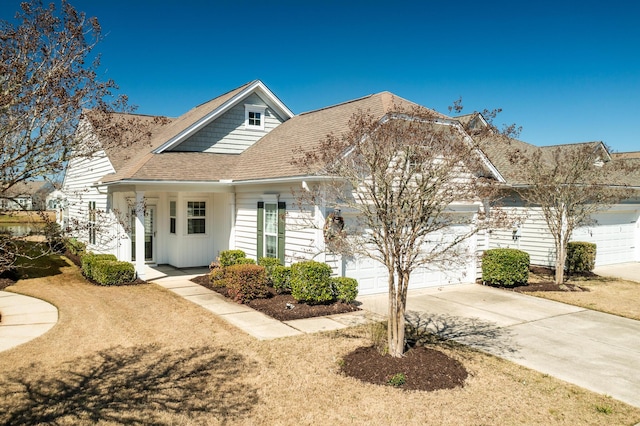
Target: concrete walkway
[23,319]
[255,323]
[596,351]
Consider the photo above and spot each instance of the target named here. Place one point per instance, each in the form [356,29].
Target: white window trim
[270,198]
[270,206]
[206,227]
[254,108]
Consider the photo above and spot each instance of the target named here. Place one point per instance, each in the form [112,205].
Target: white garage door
[614,236]
[372,276]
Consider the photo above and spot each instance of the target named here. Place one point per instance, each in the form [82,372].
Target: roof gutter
[214,183]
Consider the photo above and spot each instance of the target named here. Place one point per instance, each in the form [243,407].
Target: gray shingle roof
[271,157]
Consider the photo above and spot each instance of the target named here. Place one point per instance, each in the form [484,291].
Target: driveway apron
[594,350]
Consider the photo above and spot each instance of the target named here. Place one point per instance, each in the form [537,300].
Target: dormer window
[254,117]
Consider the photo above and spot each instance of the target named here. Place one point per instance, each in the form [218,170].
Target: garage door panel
[372,275]
[615,236]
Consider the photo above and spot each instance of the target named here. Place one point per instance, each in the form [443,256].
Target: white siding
[79,189]
[194,249]
[534,238]
[615,233]
[300,239]
[227,134]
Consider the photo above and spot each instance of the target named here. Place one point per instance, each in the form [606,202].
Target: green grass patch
[36,262]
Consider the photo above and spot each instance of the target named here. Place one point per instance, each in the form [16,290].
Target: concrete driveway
[627,271]
[597,351]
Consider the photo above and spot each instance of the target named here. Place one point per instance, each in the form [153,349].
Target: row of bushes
[308,282]
[510,267]
[104,269]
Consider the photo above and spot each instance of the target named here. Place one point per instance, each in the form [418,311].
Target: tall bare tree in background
[401,178]
[49,82]
[570,183]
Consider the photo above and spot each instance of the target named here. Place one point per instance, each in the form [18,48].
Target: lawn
[610,295]
[26,216]
[142,355]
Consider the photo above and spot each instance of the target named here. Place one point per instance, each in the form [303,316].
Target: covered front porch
[179,225]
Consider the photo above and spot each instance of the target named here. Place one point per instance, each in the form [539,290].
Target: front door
[149,234]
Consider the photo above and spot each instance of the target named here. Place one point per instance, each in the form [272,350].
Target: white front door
[149,234]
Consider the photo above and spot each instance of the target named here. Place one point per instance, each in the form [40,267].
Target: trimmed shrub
[246,282]
[113,272]
[345,288]
[581,257]
[245,261]
[230,257]
[217,275]
[75,247]
[269,263]
[90,259]
[508,267]
[281,279]
[311,282]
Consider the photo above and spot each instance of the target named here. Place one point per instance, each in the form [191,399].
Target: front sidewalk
[23,319]
[252,322]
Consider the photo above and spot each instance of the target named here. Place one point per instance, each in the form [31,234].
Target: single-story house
[26,196]
[221,177]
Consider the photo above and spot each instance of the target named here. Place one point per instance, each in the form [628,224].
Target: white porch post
[140,234]
[232,210]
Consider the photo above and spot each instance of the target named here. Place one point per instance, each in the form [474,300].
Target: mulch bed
[6,282]
[545,281]
[284,307]
[423,368]
[8,278]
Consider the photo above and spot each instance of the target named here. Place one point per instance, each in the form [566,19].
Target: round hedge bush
[345,288]
[581,257]
[311,282]
[506,267]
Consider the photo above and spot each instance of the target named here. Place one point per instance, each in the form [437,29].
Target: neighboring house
[221,177]
[615,230]
[26,196]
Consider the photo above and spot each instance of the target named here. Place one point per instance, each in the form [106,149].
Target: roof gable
[199,117]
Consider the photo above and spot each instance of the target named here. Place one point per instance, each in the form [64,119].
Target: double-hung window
[271,229]
[196,213]
[92,222]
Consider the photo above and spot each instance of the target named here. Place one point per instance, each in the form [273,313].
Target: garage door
[614,236]
[372,276]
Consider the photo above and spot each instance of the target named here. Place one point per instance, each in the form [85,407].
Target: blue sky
[566,71]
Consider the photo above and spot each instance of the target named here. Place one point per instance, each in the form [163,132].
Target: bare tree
[569,183]
[48,84]
[401,178]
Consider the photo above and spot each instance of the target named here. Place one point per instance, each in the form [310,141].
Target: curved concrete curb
[23,319]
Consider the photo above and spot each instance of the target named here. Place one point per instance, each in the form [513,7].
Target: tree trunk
[395,328]
[561,247]
[561,254]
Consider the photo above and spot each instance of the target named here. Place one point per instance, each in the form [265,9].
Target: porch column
[232,211]
[139,234]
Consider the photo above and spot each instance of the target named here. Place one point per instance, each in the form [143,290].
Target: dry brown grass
[143,355]
[610,295]
[26,216]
